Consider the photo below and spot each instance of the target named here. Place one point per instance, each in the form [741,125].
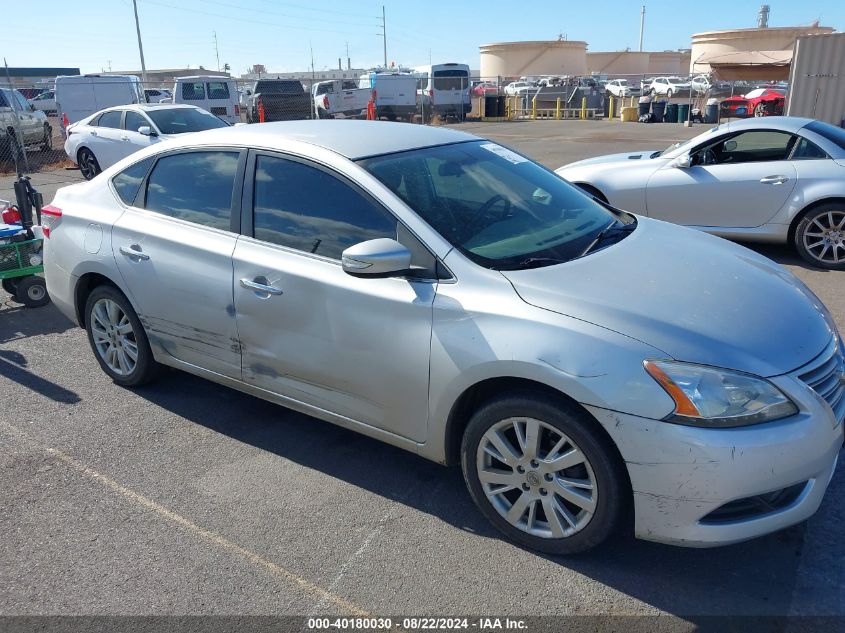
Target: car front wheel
[543,474]
[820,237]
[118,339]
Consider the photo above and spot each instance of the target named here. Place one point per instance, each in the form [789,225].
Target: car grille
[824,375]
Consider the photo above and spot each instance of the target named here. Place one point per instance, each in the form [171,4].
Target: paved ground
[188,498]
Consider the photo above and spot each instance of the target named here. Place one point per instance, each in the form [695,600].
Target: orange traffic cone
[260,111]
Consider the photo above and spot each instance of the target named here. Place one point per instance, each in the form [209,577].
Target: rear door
[739,181]
[451,88]
[173,246]
[105,138]
[222,100]
[358,348]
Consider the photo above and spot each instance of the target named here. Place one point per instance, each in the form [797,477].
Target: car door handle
[134,251]
[93,133]
[259,287]
[124,138]
[774,180]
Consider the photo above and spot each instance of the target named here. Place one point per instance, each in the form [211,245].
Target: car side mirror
[382,257]
[684,161]
[31,107]
[146,130]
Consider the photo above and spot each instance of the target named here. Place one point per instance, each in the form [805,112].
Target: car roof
[353,139]
[150,106]
[783,123]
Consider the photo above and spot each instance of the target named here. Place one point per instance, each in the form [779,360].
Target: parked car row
[589,368]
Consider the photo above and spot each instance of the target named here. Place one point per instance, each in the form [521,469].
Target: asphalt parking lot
[188,498]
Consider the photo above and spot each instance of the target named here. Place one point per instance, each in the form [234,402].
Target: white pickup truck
[340,97]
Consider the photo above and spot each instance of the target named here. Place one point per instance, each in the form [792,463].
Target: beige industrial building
[761,53]
[517,59]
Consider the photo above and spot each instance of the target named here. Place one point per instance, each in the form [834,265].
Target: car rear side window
[128,182]
[806,150]
[109,119]
[194,186]
[218,90]
[308,209]
[193,91]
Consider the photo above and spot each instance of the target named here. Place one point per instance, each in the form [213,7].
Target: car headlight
[719,398]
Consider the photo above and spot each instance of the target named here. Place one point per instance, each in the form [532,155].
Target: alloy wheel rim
[36,293]
[536,478]
[114,337]
[824,237]
[86,164]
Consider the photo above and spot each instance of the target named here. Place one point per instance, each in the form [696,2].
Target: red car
[758,102]
[485,88]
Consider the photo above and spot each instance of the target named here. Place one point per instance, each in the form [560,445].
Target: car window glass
[753,146]
[133,121]
[109,119]
[807,150]
[218,90]
[194,186]
[4,103]
[308,209]
[193,91]
[22,103]
[128,182]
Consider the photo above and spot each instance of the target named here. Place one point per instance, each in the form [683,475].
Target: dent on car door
[357,348]
[173,246]
[739,181]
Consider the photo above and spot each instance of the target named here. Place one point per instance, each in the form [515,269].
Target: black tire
[47,140]
[32,292]
[836,237]
[10,285]
[669,93]
[88,164]
[611,482]
[146,368]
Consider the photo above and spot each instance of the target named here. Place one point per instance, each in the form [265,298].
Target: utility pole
[642,27]
[216,50]
[384,34]
[140,46]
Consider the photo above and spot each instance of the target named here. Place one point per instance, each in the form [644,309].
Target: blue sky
[280,34]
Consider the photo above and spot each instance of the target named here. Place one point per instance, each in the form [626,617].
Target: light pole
[140,46]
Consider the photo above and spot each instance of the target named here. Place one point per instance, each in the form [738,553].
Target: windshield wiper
[531,262]
[610,231]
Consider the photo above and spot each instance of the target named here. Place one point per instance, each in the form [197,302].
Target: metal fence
[33,124]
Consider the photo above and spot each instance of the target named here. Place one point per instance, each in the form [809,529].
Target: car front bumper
[682,474]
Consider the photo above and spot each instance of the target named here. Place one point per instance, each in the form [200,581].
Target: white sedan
[102,139]
[669,86]
[517,88]
[772,179]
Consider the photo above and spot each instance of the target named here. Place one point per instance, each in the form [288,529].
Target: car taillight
[326,102]
[431,95]
[50,217]
[237,110]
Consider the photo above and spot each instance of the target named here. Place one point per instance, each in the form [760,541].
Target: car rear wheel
[118,339]
[820,236]
[47,139]
[88,164]
[542,474]
[669,93]
[760,110]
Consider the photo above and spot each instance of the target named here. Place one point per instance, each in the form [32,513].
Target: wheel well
[84,287]
[480,393]
[797,219]
[593,191]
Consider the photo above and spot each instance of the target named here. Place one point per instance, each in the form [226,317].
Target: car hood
[613,158]
[695,297]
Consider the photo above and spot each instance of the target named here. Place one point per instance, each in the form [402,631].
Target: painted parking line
[323,595]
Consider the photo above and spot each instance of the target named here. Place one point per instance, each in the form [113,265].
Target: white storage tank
[522,59]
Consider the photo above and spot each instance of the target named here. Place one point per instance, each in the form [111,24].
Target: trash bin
[657,110]
[683,112]
[712,113]
[491,106]
[644,108]
[671,113]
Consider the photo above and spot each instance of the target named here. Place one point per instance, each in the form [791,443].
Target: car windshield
[181,120]
[500,209]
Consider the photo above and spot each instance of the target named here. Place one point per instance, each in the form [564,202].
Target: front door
[358,348]
[741,180]
[175,254]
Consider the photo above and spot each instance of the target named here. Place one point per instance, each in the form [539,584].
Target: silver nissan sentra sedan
[447,295]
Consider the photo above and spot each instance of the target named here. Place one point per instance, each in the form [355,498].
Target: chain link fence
[34,120]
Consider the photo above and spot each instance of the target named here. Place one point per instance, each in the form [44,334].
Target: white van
[78,96]
[445,88]
[396,93]
[218,95]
